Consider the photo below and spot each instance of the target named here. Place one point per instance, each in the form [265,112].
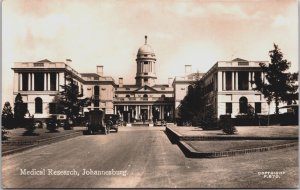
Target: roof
[160,86]
[239,59]
[89,75]
[145,49]
[43,61]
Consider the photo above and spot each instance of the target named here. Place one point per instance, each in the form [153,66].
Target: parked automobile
[52,125]
[112,121]
[95,122]
[64,122]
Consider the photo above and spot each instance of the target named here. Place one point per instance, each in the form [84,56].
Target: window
[39,81]
[24,81]
[127,96]
[243,63]
[243,104]
[38,105]
[228,80]
[257,107]
[243,81]
[52,81]
[229,107]
[96,90]
[38,64]
[52,108]
[146,67]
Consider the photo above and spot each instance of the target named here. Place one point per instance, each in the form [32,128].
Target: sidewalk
[17,141]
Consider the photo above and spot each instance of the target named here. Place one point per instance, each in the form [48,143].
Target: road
[149,159]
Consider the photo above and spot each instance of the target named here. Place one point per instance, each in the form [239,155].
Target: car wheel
[38,124]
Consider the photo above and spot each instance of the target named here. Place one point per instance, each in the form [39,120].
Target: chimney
[120,82]
[188,69]
[68,61]
[170,80]
[100,70]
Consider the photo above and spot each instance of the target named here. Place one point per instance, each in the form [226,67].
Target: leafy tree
[19,110]
[280,85]
[192,103]
[68,101]
[7,115]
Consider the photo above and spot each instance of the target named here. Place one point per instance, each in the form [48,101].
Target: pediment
[145,88]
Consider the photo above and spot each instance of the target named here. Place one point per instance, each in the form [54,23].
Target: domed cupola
[145,60]
[146,49]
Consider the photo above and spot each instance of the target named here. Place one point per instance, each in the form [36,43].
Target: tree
[7,115]
[19,110]
[68,101]
[192,103]
[280,85]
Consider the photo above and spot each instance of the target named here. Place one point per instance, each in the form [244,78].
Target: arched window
[145,96]
[38,105]
[127,96]
[163,96]
[243,104]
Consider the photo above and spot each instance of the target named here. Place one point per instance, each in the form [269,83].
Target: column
[148,115]
[21,82]
[163,112]
[139,111]
[250,78]
[29,81]
[16,82]
[57,84]
[232,80]
[160,111]
[32,80]
[136,112]
[219,81]
[45,81]
[237,80]
[61,80]
[49,81]
[224,80]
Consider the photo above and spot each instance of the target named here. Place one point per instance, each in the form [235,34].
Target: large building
[227,86]
[133,100]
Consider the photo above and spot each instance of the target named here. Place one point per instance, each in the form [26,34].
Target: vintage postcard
[149,94]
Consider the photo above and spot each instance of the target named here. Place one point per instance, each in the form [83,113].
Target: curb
[192,153]
[39,142]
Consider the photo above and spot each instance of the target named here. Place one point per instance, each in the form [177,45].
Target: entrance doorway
[144,113]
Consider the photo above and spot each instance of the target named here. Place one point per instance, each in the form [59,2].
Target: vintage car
[95,122]
[112,121]
[64,122]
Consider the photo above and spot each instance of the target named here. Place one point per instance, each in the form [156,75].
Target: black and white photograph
[140,94]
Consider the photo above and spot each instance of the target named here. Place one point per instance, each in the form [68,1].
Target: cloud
[280,21]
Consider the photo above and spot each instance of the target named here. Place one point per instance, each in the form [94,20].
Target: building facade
[227,87]
[132,101]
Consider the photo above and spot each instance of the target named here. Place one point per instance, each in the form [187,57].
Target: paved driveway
[147,158]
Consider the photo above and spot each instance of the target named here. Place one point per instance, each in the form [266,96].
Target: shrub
[3,136]
[227,125]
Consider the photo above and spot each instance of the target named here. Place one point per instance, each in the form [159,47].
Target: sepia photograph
[140,94]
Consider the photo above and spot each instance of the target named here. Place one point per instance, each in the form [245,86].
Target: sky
[109,33]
